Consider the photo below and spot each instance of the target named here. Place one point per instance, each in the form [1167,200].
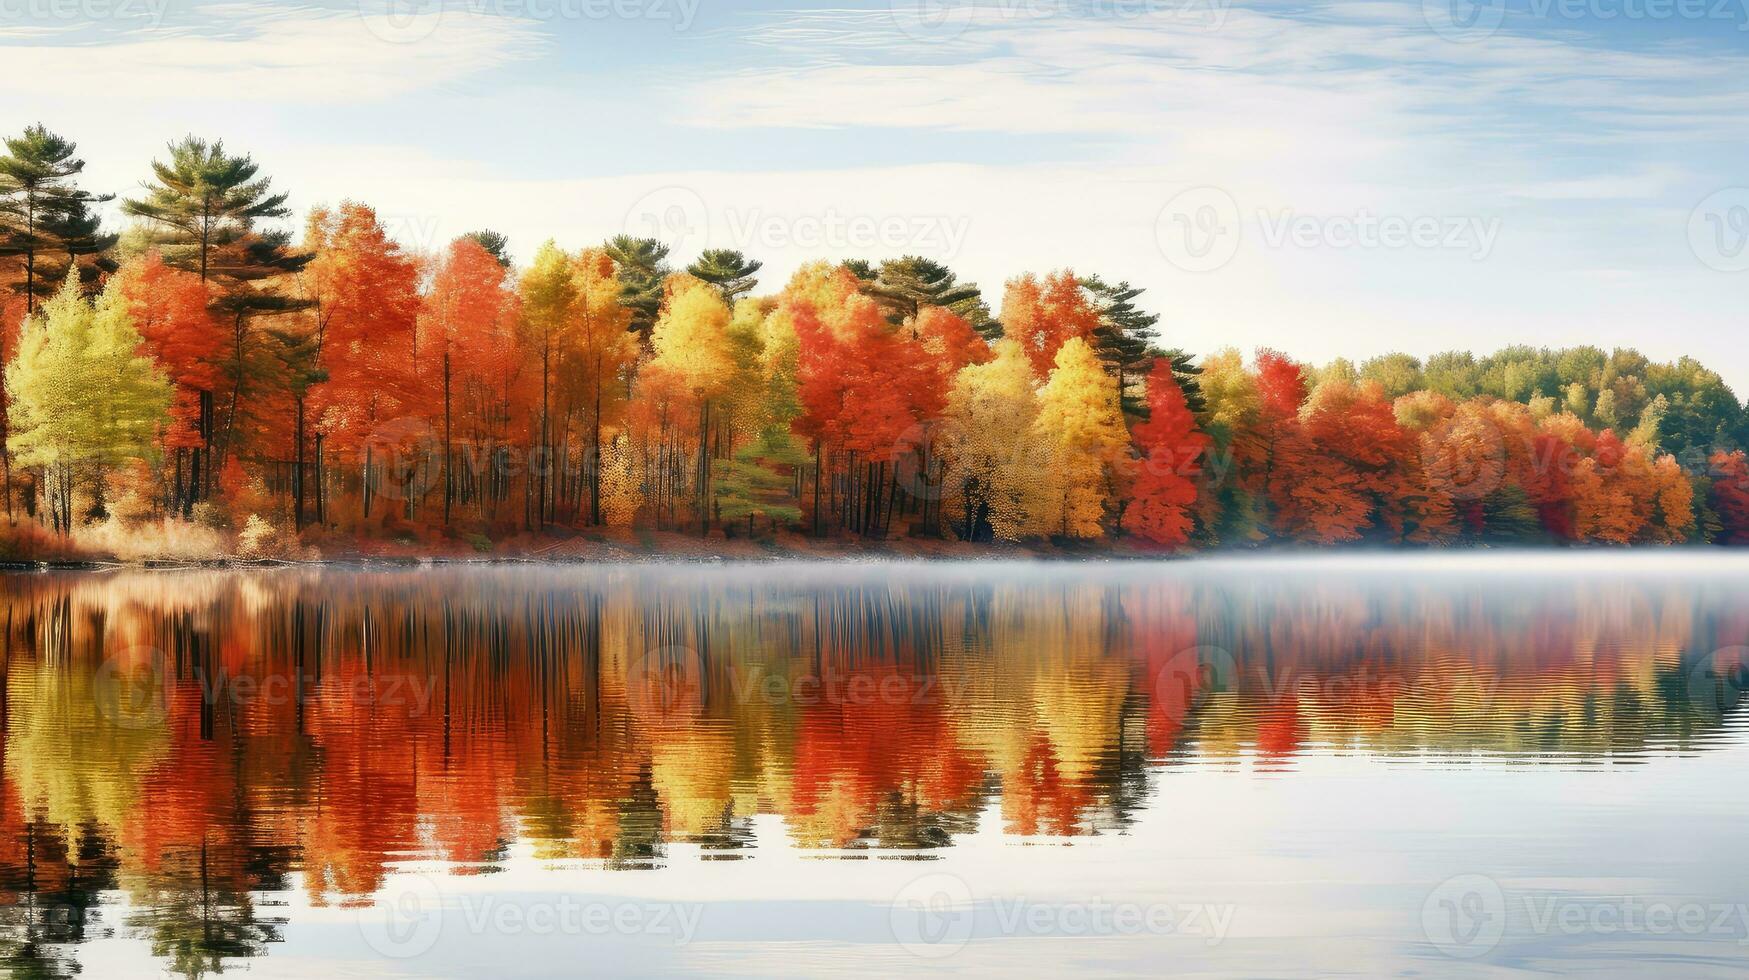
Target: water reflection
[198,746]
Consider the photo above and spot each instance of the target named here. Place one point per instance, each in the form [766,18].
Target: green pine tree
[643,268]
[758,481]
[495,244]
[202,209]
[45,218]
[1125,342]
[905,285]
[732,273]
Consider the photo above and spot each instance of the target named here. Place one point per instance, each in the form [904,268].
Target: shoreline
[880,556]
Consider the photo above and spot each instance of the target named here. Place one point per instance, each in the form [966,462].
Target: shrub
[30,541]
[164,540]
[262,537]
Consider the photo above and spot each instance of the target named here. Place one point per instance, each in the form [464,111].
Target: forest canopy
[202,382]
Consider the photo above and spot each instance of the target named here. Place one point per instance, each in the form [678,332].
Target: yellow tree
[691,340]
[1081,420]
[1233,503]
[1673,517]
[621,493]
[991,446]
[600,328]
[548,290]
[83,397]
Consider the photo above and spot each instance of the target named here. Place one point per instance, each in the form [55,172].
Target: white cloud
[274,56]
[1590,159]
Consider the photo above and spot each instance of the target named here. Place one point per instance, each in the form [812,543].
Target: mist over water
[1274,766]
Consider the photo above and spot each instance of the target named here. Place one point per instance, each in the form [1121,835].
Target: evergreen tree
[905,285]
[202,207]
[750,485]
[731,272]
[495,244]
[204,203]
[45,219]
[753,483]
[643,268]
[1125,343]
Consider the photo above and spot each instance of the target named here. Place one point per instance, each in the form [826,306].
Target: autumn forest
[196,383]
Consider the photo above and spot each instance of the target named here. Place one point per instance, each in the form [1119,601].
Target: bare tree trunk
[448,445]
[595,460]
[321,479]
[546,446]
[5,429]
[704,469]
[298,466]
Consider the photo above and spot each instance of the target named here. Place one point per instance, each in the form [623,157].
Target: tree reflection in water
[199,742]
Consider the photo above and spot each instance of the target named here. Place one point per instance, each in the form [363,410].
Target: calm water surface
[1247,767]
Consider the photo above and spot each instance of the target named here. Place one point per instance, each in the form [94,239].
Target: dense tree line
[202,368]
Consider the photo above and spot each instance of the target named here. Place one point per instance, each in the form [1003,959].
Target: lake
[1477,763]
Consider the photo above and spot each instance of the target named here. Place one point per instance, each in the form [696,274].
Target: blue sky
[1325,178]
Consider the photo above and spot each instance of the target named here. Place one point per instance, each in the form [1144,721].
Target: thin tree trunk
[704,469]
[298,471]
[448,445]
[595,460]
[546,446]
[321,480]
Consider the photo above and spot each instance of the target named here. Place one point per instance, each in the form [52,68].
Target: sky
[1328,179]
